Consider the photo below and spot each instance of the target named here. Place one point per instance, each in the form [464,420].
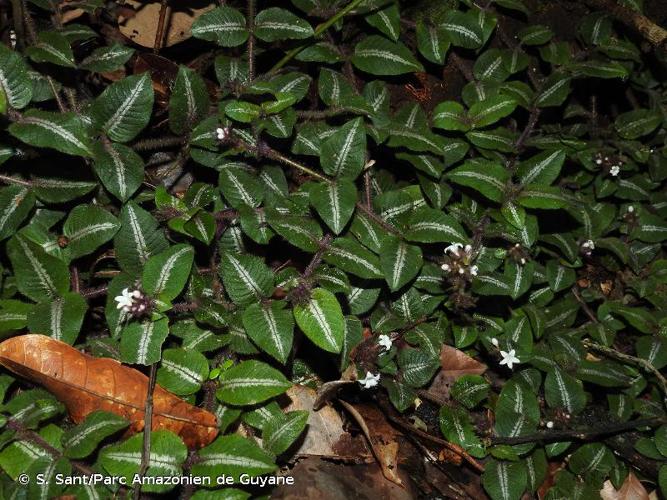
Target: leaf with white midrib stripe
[378,56]
[81,440]
[246,277]
[400,262]
[138,239]
[271,327]
[334,202]
[182,371]
[166,273]
[251,382]
[232,455]
[279,433]
[141,342]
[321,319]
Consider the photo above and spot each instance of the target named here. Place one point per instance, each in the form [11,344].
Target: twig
[641,363]
[148,423]
[376,218]
[521,141]
[318,31]
[654,34]
[158,143]
[445,444]
[578,434]
[91,293]
[159,34]
[584,305]
[317,257]
[462,66]
[13,180]
[251,40]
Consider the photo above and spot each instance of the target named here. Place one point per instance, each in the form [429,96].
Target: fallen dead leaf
[325,435]
[381,436]
[631,489]
[454,364]
[141,27]
[85,384]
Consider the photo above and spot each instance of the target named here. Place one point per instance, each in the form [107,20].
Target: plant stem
[148,424]
[318,31]
[251,40]
[317,257]
[578,434]
[7,179]
[159,34]
[376,218]
[641,363]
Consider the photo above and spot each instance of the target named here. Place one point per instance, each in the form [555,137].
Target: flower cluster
[459,260]
[133,302]
[587,248]
[612,164]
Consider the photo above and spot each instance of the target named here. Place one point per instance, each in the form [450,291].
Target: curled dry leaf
[85,384]
[631,489]
[454,364]
[141,25]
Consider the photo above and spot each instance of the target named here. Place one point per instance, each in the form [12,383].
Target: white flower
[631,209]
[588,244]
[454,248]
[494,341]
[370,380]
[468,248]
[222,133]
[509,358]
[550,425]
[446,268]
[598,161]
[126,299]
[385,342]
[615,170]
[461,270]
[474,270]
[523,261]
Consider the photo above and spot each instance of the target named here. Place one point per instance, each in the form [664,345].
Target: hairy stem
[148,423]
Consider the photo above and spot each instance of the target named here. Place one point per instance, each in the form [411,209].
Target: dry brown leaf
[454,364]
[325,435]
[85,384]
[631,489]
[381,436]
[141,27]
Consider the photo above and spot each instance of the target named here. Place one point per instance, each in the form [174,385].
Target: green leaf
[637,123]
[470,390]
[321,319]
[13,315]
[242,111]
[650,228]
[120,169]
[545,197]
[87,228]
[344,153]
[108,58]
[223,25]
[166,459]
[251,382]
[64,132]
[302,232]
[16,203]
[279,433]
[463,29]
[52,47]
[378,56]
[271,327]
[139,237]
[491,109]
[428,225]
[554,91]
[432,42]
[353,258]
[280,24]
[482,175]
[246,277]
[591,457]
[450,115]
[387,21]
[182,371]
[535,35]
[189,101]
[81,440]
[543,168]
[239,186]
[166,273]
[232,455]
[60,318]
[400,262]
[601,69]
[124,108]
[564,391]
[14,79]
[141,342]
[504,480]
[456,427]
[38,275]
[417,366]
[334,202]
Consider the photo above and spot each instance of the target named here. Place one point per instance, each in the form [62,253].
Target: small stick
[148,423]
